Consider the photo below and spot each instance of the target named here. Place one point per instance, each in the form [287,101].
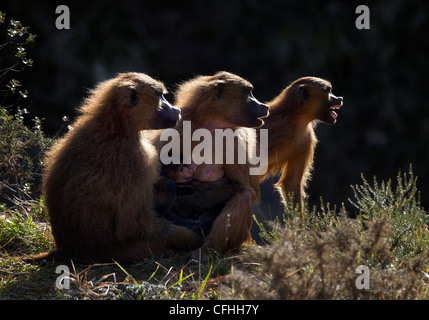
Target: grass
[311,258]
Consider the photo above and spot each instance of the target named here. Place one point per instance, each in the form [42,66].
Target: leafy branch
[17,35]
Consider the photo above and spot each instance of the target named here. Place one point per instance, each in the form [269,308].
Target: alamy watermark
[362,21]
[249,150]
[362,281]
[63,20]
[63,280]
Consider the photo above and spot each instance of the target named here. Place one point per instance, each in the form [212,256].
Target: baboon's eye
[220,88]
[303,92]
[133,97]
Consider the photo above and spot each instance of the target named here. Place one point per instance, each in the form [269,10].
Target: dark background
[381,72]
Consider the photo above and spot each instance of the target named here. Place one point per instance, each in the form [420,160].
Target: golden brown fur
[293,116]
[99,179]
[219,102]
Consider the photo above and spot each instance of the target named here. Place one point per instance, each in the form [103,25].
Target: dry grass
[309,265]
[317,258]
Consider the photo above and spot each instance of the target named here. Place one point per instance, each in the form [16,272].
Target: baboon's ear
[303,92]
[219,85]
[133,97]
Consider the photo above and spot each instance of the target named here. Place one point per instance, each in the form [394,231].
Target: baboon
[179,173]
[188,202]
[223,101]
[294,114]
[99,179]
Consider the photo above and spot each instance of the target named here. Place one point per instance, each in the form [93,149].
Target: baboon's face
[237,105]
[328,103]
[165,116]
[224,98]
[253,111]
[318,101]
[147,106]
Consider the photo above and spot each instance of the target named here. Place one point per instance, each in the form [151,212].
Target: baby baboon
[188,202]
[99,179]
[293,116]
[225,101]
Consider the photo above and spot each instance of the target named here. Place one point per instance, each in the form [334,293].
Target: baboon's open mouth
[334,115]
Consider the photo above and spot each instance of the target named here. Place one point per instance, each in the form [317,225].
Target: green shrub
[20,152]
[23,219]
[409,221]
